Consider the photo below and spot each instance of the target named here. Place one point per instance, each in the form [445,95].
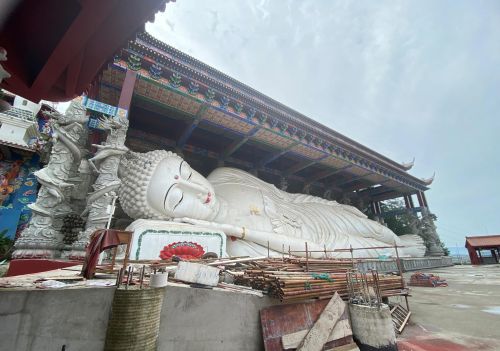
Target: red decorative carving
[186,250]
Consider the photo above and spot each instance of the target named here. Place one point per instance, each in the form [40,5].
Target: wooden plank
[292,341]
[400,317]
[404,323]
[349,347]
[318,335]
[239,260]
[285,319]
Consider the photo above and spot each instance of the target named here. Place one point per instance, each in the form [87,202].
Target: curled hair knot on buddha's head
[135,172]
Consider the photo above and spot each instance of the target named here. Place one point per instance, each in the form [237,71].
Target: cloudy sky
[406,78]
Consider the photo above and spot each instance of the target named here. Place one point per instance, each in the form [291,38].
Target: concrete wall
[408,264]
[69,319]
[77,319]
[201,319]
[382,266]
[415,264]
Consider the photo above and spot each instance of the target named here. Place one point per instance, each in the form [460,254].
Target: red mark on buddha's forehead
[176,177]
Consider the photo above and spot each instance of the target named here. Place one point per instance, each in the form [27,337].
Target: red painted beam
[57,58]
[110,36]
[72,74]
[73,42]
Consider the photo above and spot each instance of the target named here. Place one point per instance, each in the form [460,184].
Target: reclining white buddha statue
[257,216]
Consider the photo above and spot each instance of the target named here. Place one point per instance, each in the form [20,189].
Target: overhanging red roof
[483,241]
[55,48]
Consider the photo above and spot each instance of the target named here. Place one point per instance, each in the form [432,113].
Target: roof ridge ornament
[428,181]
[408,165]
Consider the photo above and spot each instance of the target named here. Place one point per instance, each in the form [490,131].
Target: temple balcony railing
[17,127]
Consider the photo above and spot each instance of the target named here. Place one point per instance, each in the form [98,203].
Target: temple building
[178,103]
[154,97]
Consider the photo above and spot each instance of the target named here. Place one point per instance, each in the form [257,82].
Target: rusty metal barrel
[135,320]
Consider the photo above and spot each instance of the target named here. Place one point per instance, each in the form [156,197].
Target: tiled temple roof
[165,66]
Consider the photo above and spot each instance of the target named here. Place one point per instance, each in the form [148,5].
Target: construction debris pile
[298,279]
[319,325]
[426,280]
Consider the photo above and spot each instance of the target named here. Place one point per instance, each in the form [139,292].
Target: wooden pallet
[400,317]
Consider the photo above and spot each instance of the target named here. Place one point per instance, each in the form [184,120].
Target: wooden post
[307,259]
[420,199]
[114,258]
[352,255]
[407,202]
[424,200]
[398,262]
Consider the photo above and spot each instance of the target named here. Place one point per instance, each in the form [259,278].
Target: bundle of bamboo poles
[290,280]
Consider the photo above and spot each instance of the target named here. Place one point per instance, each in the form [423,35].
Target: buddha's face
[176,190]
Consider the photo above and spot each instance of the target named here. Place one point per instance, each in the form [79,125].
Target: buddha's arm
[277,242]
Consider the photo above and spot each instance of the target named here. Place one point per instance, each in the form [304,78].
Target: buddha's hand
[192,221]
[227,229]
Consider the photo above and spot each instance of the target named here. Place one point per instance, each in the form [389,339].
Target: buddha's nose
[187,186]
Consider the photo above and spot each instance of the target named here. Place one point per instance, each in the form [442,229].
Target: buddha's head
[161,185]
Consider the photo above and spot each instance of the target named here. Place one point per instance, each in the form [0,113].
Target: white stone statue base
[151,236]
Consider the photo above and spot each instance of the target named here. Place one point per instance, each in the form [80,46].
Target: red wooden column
[421,199]
[425,200]
[407,202]
[127,91]
[375,207]
[410,199]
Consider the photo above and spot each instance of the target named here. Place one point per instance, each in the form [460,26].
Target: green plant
[399,220]
[6,245]
[445,249]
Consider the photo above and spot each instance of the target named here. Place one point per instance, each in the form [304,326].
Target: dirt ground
[463,316]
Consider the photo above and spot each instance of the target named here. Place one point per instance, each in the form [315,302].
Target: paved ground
[463,316]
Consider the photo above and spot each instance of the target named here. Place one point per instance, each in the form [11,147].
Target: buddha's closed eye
[173,198]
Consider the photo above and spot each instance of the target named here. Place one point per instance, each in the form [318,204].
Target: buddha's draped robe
[302,216]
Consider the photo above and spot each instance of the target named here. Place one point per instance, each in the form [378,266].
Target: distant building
[483,249]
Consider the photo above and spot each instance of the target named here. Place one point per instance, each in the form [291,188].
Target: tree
[397,219]
[402,221]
